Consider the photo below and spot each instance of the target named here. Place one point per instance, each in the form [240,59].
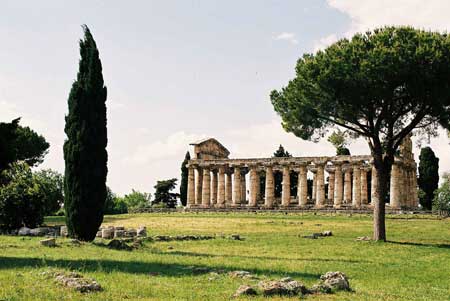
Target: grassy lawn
[413,265]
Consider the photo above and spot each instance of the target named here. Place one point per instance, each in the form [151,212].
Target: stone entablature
[337,181]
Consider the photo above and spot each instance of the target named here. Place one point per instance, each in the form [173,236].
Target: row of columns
[346,185]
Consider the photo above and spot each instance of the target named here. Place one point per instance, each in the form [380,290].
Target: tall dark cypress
[428,176]
[85,148]
[184,179]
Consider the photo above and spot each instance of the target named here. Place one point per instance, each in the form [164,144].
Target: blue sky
[178,71]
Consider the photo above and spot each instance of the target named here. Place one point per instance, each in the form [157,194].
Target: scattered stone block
[119,233]
[119,228]
[245,290]
[320,288]
[49,242]
[64,231]
[239,274]
[107,233]
[363,238]
[99,234]
[141,232]
[327,233]
[117,244]
[130,233]
[236,237]
[213,276]
[78,282]
[24,231]
[312,236]
[41,231]
[336,281]
[282,288]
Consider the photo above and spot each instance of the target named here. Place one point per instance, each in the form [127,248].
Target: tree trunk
[383,167]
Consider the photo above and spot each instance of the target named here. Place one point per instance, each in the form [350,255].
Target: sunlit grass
[414,265]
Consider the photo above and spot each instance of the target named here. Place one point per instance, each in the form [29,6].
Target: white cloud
[368,14]
[173,147]
[287,36]
[325,41]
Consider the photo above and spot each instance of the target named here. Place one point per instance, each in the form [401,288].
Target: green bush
[137,200]
[52,185]
[21,198]
[114,204]
[441,201]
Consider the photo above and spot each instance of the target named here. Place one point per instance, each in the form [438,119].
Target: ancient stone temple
[215,181]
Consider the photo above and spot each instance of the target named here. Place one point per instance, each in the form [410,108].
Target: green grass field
[413,265]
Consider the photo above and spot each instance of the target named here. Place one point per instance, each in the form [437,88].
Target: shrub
[114,204]
[441,201]
[21,199]
[52,185]
[137,200]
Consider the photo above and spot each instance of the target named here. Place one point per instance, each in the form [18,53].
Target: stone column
[199,187]
[348,185]
[270,188]
[320,185]
[401,185]
[221,187]
[206,191]
[406,188]
[286,186]
[314,186]
[356,195]
[228,189]
[338,186]
[302,187]
[191,187]
[331,177]
[254,180]
[414,192]
[237,186]
[214,183]
[243,189]
[394,192]
[258,186]
[364,192]
[374,186]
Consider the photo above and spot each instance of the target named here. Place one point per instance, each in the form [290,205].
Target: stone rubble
[245,290]
[336,280]
[317,235]
[242,274]
[288,287]
[118,244]
[49,242]
[77,282]
[329,283]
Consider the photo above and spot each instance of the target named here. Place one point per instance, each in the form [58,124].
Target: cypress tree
[184,179]
[428,176]
[85,148]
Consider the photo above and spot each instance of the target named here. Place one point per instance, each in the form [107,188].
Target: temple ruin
[340,182]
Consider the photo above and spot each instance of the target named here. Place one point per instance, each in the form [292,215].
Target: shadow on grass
[182,253]
[134,267]
[60,220]
[419,244]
